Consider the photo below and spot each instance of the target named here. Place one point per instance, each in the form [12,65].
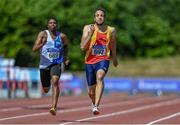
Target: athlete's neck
[102,27]
[53,32]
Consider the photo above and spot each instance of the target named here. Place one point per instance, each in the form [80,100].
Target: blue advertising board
[163,84]
[118,84]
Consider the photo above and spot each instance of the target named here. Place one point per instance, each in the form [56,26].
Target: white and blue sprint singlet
[51,52]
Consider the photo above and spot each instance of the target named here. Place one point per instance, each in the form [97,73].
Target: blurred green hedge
[145,28]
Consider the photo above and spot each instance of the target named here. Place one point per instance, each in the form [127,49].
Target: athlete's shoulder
[86,27]
[42,33]
[64,38]
[112,29]
[63,35]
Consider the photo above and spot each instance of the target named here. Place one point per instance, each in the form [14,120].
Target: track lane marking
[46,105]
[11,109]
[130,102]
[38,106]
[164,118]
[166,103]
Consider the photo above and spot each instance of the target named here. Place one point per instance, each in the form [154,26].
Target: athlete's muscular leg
[91,93]
[55,91]
[100,86]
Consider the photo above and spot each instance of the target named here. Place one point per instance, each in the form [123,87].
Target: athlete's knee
[46,89]
[91,94]
[55,80]
[99,77]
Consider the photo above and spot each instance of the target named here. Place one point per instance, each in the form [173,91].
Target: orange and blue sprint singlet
[99,47]
[97,54]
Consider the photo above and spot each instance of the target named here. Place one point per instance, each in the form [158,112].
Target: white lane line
[130,102]
[44,105]
[166,103]
[40,106]
[47,105]
[64,104]
[10,109]
[164,118]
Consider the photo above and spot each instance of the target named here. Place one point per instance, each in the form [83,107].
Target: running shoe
[95,110]
[53,111]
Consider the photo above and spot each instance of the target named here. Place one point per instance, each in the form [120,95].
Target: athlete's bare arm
[65,44]
[65,48]
[64,39]
[40,41]
[86,36]
[113,46]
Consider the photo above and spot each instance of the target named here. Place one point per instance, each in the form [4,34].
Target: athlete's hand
[67,63]
[115,62]
[91,29]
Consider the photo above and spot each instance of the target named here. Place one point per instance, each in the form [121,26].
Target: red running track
[115,108]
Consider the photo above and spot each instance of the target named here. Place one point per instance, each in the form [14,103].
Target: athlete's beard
[53,30]
[99,24]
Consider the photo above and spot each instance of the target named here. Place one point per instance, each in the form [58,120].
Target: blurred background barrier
[117,84]
[158,85]
[134,85]
[25,82]
[16,82]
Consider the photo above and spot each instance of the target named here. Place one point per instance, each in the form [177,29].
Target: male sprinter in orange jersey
[98,40]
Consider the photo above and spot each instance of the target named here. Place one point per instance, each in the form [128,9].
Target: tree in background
[145,28]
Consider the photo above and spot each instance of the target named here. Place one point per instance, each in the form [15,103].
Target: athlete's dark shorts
[91,70]
[47,73]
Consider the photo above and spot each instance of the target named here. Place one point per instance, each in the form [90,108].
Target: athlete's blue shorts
[91,70]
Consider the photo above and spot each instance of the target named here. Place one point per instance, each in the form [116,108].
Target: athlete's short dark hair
[52,18]
[101,9]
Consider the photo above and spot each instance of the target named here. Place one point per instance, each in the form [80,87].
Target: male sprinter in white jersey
[53,52]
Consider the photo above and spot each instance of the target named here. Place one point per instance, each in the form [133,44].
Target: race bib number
[53,54]
[99,50]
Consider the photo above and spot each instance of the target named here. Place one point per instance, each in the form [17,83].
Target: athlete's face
[99,17]
[52,24]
